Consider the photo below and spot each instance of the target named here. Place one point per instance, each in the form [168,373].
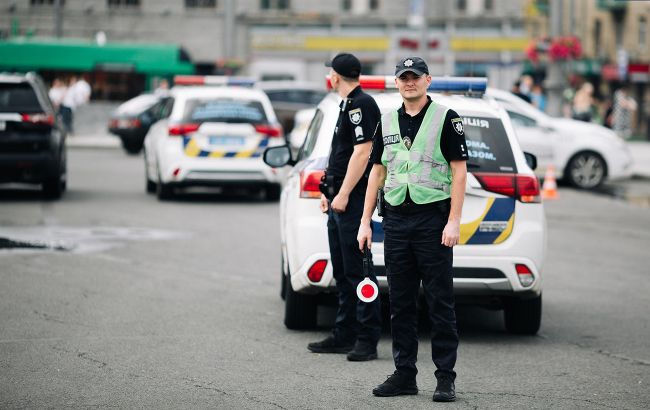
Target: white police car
[582,154]
[213,133]
[499,260]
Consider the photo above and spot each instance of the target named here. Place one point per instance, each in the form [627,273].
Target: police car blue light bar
[217,80]
[454,85]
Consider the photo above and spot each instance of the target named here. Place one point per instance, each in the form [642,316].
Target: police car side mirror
[277,157]
[531,160]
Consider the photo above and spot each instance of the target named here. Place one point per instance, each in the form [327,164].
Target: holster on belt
[380,202]
[328,186]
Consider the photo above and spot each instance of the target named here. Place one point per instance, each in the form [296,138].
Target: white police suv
[499,260]
[213,133]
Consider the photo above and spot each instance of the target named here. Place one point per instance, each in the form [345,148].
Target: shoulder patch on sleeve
[355,116]
[358,133]
[457,123]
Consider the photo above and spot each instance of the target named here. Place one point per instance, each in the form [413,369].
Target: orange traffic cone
[549,188]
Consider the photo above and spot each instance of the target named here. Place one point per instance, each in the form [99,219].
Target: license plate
[3,125]
[224,140]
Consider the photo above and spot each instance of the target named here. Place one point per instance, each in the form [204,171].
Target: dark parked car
[132,119]
[32,136]
[289,97]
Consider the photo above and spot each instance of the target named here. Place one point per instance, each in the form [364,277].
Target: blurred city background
[125,47]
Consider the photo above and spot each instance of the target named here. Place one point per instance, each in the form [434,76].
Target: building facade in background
[291,39]
[614,36]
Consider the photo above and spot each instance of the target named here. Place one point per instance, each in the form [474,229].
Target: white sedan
[213,136]
[582,154]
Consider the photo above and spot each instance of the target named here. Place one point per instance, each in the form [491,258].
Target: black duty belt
[413,208]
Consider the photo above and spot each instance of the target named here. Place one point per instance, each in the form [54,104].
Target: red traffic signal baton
[367,290]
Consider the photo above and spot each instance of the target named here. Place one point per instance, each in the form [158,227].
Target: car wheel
[53,188]
[300,310]
[273,192]
[586,170]
[150,185]
[283,275]
[163,191]
[523,316]
[131,147]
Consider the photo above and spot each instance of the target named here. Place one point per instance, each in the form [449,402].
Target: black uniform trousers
[355,320]
[413,252]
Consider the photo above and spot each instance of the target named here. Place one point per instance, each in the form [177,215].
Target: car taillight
[269,130]
[524,274]
[315,273]
[38,119]
[309,182]
[528,189]
[182,129]
[524,188]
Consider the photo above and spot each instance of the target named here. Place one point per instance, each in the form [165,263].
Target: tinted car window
[224,110]
[18,97]
[138,104]
[311,97]
[487,145]
[312,135]
[521,120]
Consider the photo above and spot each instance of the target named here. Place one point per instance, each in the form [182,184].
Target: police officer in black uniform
[421,226]
[358,324]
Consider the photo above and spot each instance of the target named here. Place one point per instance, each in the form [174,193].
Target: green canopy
[23,54]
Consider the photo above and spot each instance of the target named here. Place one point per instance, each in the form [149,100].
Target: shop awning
[79,55]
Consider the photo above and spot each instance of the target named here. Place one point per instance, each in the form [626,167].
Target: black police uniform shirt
[452,137]
[357,122]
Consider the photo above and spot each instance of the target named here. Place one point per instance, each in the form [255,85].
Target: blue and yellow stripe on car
[191,149]
[492,227]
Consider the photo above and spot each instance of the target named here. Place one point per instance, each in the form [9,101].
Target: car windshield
[487,145]
[138,104]
[224,110]
[18,97]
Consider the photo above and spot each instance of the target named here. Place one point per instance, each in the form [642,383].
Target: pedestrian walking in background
[358,324]
[68,104]
[82,92]
[56,92]
[537,97]
[418,157]
[624,107]
[516,90]
[583,103]
[162,88]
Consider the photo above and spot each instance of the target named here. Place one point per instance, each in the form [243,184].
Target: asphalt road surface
[109,298]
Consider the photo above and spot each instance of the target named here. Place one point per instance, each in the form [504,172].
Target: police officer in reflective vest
[358,324]
[418,156]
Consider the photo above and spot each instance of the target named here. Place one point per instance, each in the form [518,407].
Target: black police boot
[330,345]
[397,384]
[362,352]
[445,390]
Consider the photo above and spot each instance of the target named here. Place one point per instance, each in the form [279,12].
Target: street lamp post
[555,81]
[58,18]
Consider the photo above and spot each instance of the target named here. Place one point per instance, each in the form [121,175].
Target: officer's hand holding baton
[364,237]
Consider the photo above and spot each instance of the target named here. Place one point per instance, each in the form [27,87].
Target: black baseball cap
[413,64]
[346,65]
